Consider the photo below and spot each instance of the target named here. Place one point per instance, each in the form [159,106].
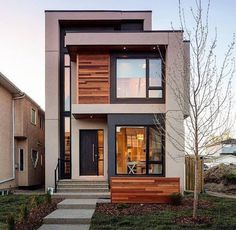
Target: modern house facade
[21,138]
[108,75]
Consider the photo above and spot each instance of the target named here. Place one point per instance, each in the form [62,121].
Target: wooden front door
[88,152]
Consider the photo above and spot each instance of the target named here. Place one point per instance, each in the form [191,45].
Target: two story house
[108,94]
[21,138]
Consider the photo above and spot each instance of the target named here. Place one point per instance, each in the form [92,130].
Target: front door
[88,152]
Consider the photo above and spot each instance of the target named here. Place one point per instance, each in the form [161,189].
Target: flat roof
[119,11]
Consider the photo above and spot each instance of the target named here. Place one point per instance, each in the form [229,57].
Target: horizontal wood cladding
[93,78]
[143,189]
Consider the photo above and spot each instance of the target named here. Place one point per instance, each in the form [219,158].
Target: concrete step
[71,185]
[69,216]
[79,195]
[77,204]
[64,226]
[81,182]
[85,190]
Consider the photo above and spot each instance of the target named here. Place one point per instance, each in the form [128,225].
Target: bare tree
[209,84]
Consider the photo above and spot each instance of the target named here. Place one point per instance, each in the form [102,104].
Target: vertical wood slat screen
[93,78]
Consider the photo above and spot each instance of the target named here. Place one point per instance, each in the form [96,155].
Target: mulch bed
[142,209]
[189,220]
[37,214]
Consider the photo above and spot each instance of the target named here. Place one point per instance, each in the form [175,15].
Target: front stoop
[76,211]
[82,195]
[78,189]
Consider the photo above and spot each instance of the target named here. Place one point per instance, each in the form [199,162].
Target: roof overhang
[8,85]
[130,41]
[101,110]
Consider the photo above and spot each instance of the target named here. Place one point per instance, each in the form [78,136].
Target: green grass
[222,211]
[11,204]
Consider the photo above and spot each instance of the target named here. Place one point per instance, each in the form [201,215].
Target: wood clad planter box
[143,189]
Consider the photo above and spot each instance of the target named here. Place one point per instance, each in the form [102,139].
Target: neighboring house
[221,152]
[107,74]
[21,138]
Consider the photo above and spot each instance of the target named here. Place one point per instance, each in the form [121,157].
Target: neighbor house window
[21,160]
[139,78]
[139,150]
[33,116]
[34,157]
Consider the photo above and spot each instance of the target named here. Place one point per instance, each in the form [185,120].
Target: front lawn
[213,213]
[38,207]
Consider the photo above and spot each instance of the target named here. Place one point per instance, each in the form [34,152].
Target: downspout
[13,140]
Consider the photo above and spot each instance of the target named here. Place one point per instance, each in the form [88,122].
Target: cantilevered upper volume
[108,75]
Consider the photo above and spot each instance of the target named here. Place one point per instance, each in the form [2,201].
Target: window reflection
[131,78]
[155,151]
[155,72]
[67,89]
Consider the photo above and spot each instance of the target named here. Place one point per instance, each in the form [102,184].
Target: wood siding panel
[143,189]
[93,78]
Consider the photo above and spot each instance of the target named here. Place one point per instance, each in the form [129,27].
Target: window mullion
[147,149]
[147,76]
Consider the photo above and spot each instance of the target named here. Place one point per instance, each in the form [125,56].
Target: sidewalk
[223,195]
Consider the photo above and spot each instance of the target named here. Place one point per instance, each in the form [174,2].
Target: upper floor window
[33,116]
[41,122]
[139,78]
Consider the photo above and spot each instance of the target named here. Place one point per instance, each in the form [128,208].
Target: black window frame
[146,100]
[148,162]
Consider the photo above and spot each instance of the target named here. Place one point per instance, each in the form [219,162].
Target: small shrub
[24,213]
[10,222]
[176,199]
[48,197]
[229,178]
[34,201]
[122,206]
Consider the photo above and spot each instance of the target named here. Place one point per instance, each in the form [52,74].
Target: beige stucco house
[107,74]
[21,138]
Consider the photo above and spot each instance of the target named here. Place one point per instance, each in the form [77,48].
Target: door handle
[93,153]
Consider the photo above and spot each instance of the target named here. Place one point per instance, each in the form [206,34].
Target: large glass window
[155,72]
[131,148]
[131,78]
[138,150]
[139,78]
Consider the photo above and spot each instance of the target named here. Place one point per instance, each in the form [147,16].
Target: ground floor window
[139,150]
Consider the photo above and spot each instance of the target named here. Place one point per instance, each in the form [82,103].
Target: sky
[22,36]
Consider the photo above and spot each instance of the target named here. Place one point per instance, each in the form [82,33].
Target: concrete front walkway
[223,195]
[72,214]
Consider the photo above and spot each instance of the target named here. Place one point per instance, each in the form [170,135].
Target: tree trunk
[195,199]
